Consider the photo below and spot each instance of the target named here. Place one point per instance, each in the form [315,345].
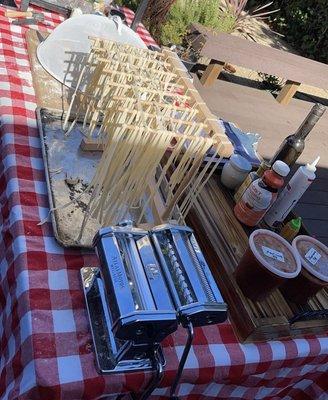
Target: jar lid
[240,163]
[275,253]
[281,168]
[314,256]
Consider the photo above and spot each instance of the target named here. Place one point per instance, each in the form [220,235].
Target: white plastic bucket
[314,256]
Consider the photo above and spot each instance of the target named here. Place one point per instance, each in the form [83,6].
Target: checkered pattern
[45,344]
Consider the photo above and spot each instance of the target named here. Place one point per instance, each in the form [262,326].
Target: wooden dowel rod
[145,89]
[169,133]
[159,105]
[161,63]
[155,116]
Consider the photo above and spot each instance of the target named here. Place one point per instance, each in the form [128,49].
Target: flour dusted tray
[69,170]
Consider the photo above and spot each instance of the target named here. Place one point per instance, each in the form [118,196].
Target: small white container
[235,171]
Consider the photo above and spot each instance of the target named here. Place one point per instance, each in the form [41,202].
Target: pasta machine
[147,283]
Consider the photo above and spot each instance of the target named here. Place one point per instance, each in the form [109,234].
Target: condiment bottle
[261,194]
[293,146]
[291,194]
[291,229]
[251,177]
[235,171]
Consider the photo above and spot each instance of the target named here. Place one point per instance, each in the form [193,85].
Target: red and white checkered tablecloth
[45,343]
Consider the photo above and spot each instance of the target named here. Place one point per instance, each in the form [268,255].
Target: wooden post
[212,72]
[139,14]
[288,92]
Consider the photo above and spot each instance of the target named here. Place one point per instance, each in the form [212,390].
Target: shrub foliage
[184,12]
[304,24]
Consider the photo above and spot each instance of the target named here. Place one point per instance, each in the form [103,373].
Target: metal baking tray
[64,159]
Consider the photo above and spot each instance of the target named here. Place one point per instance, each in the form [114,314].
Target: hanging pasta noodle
[129,162]
[135,103]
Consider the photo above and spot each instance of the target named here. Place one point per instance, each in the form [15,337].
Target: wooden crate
[224,241]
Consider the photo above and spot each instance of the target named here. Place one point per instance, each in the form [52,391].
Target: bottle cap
[312,167]
[296,223]
[281,168]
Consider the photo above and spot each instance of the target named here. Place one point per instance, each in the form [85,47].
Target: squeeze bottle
[293,191]
[291,229]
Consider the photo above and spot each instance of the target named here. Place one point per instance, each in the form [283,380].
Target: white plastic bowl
[64,52]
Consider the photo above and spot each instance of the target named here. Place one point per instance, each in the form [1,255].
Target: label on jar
[257,198]
[276,255]
[313,256]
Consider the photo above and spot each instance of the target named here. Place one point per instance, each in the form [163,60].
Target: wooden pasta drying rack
[182,95]
[192,97]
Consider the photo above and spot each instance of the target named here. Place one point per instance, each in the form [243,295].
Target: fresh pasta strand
[151,129]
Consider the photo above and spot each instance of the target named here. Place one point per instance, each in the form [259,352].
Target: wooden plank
[243,327]
[287,92]
[322,298]
[311,324]
[212,72]
[319,212]
[315,197]
[315,226]
[244,53]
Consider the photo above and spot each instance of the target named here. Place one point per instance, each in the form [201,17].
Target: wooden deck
[222,48]
[227,48]
[256,110]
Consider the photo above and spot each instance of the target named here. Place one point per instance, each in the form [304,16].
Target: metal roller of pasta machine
[147,283]
[195,294]
[130,308]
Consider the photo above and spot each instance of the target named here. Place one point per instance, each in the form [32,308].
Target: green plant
[221,15]
[244,15]
[305,26]
[271,82]
[304,23]
[156,15]
[185,12]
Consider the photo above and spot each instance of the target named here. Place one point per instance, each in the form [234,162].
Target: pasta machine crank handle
[190,330]
[154,383]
